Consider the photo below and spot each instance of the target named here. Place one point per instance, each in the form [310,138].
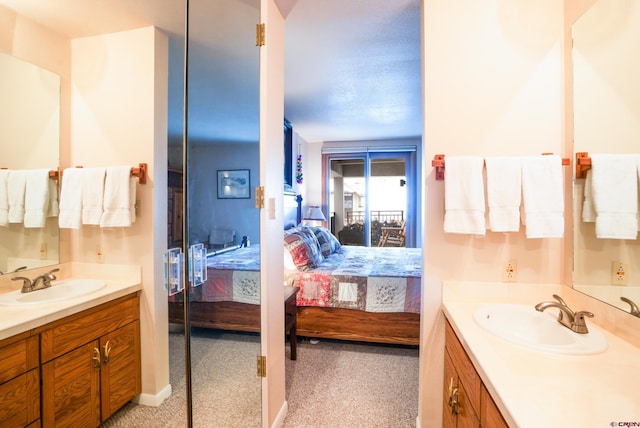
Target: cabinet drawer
[466,372]
[20,400]
[18,357]
[62,336]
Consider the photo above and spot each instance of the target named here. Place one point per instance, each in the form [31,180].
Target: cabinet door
[20,400]
[490,416]
[450,381]
[120,373]
[467,417]
[71,389]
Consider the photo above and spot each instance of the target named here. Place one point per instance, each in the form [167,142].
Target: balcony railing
[385,216]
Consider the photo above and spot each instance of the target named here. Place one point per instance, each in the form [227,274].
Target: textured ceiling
[352,67]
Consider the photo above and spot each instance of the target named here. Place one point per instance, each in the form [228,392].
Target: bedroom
[521,101]
[208,158]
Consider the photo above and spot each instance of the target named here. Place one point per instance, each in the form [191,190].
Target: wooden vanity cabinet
[91,364]
[20,381]
[467,403]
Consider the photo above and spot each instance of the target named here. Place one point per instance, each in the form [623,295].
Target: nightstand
[290,318]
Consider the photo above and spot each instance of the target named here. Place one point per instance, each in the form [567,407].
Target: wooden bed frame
[316,322]
[397,328]
[234,316]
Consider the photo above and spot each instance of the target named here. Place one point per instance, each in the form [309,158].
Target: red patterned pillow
[304,248]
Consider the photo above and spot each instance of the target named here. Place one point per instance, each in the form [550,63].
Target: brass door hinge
[260,35]
[262,366]
[259,196]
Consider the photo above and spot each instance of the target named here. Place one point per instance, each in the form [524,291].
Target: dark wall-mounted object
[288,155]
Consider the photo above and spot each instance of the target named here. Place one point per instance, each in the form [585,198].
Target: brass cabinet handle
[107,350]
[454,398]
[96,358]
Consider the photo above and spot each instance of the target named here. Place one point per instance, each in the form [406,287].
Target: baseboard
[277,423]
[418,422]
[153,400]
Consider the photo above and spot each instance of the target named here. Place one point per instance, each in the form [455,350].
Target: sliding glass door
[371,197]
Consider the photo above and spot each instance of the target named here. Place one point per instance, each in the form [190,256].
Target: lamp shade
[314,213]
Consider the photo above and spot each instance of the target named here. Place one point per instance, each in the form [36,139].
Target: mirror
[30,124]
[606,66]
[222,168]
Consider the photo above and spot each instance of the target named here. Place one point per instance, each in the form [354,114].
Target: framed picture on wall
[234,184]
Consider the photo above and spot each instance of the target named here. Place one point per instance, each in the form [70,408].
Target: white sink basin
[60,290]
[524,325]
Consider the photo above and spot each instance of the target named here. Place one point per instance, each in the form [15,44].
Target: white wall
[493,86]
[119,111]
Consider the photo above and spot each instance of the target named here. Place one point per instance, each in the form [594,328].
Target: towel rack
[583,164]
[140,172]
[438,164]
[52,174]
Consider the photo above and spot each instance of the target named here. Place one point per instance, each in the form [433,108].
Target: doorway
[371,195]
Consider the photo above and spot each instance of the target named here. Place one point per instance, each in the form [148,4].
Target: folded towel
[543,196]
[71,198]
[4,197]
[614,190]
[36,199]
[588,211]
[92,195]
[464,195]
[504,185]
[119,197]
[17,185]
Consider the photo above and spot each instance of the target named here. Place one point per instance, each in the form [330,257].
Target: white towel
[36,199]
[464,195]
[92,195]
[543,196]
[17,185]
[504,185]
[4,197]
[588,211]
[119,197]
[71,198]
[615,195]
[54,209]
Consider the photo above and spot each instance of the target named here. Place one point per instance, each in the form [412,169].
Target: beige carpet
[331,384]
[343,384]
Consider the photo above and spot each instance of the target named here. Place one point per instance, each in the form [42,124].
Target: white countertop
[120,280]
[537,389]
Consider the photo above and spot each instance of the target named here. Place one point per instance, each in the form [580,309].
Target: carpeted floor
[331,384]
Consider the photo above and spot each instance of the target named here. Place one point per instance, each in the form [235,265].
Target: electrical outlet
[43,251]
[619,273]
[99,255]
[510,271]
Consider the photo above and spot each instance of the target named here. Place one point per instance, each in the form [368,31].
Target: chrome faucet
[574,321]
[635,311]
[44,279]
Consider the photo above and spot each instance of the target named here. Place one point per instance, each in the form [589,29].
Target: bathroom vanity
[520,387]
[73,360]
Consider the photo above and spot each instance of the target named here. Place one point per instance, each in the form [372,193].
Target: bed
[369,294]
